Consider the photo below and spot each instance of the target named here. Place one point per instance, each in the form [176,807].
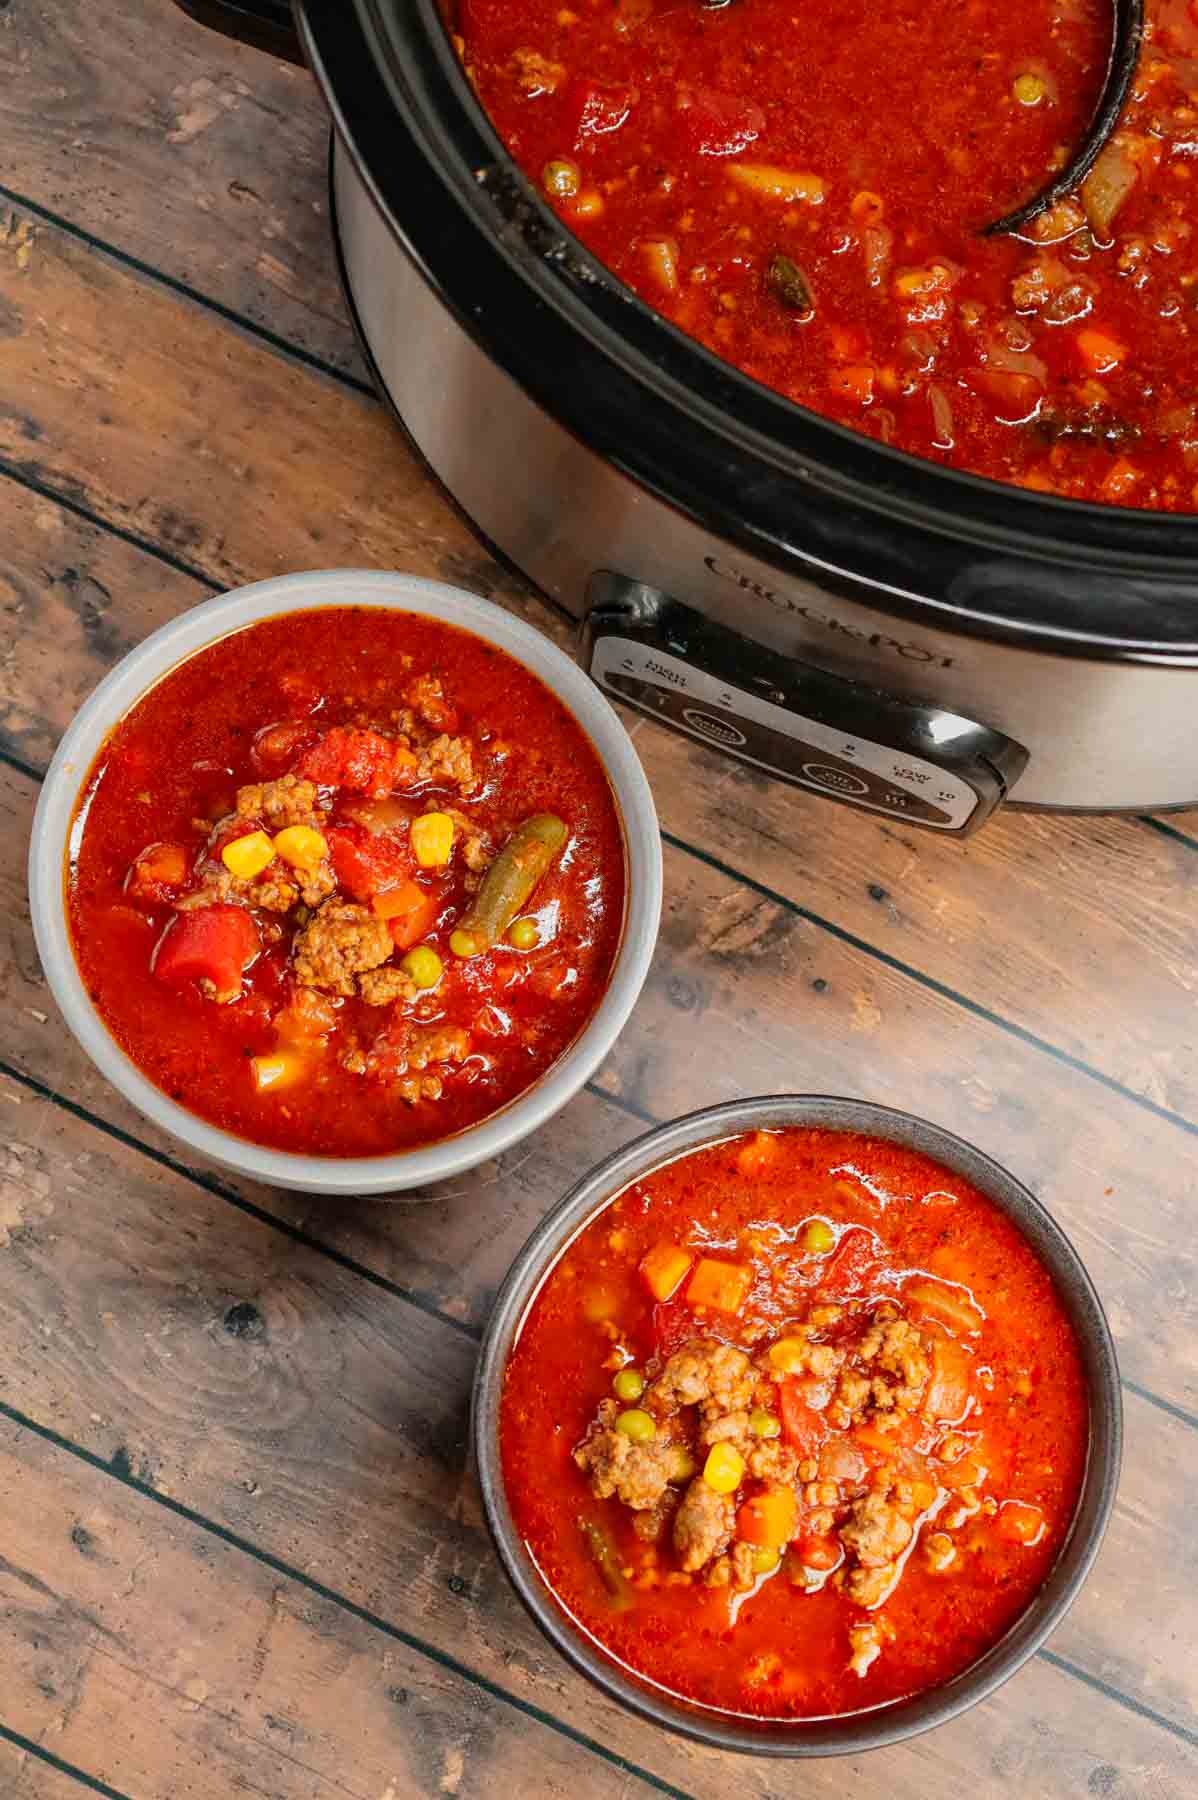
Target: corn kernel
[277,1070]
[637,1425]
[818,1237]
[629,1384]
[432,839]
[300,846]
[247,856]
[523,934]
[789,1355]
[464,943]
[765,1560]
[723,1469]
[423,965]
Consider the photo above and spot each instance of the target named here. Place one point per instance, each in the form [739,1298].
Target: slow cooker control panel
[839,738]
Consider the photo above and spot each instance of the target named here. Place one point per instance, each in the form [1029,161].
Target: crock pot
[919,642]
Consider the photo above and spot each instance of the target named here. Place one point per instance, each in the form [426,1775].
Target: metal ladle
[1125,50]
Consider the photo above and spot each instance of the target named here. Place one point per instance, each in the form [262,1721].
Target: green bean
[787,283]
[603,1554]
[509,883]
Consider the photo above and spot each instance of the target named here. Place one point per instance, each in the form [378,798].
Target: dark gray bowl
[903,1718]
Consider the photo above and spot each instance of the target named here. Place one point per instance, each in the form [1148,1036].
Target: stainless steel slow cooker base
[772,664]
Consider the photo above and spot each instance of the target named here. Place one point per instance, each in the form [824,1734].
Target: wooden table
[238,1549]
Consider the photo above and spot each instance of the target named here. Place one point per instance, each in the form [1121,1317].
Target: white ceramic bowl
[161,652]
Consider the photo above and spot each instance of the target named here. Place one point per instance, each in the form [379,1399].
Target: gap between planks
[376,1621]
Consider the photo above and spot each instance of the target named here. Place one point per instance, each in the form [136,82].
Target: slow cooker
[918,642]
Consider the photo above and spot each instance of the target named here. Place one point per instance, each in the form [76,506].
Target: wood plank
[247,1680]
[333,1437]
[187,150]
[1082,930]
[732,1008]
[25,1776]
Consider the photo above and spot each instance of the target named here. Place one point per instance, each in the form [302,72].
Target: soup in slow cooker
[796,1425]
[805,190]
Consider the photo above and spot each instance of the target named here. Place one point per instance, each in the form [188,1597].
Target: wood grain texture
[733,1006]
[1033,989]
[184,148]
[330,1434]
[24,1775]
[248,1680]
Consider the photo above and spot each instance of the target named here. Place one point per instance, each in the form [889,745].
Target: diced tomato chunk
[159,871]
[350,757]
[276,747]
[414,920]
[819,1553]
[673,1324]
[367,863]
[803,1428]
[717,124]
[852,1265]
[214,943]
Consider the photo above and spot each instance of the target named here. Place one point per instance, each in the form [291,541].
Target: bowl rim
[851,1733]
[202,625]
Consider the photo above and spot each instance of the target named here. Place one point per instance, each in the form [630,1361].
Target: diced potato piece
[432,839]
[721,1286]
[247,856]
[664,1268]
[1020,1523]
[948,1304]
[947,1397]
[757,1153]
[276,1070]
[773,183]
[661,260]
[300,846]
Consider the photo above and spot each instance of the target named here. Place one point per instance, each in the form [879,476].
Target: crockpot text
[877,640]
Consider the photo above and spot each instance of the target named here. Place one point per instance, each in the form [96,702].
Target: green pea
[629,1384]
[523,934]
[1029,89]
[818,1237]
[765,1560]
[763,1424]
[561,178]
[637,1425]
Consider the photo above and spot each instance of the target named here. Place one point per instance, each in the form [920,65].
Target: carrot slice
[721,1286]
[664,1269]
[768,1520]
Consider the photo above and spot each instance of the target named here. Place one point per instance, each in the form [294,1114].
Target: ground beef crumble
[341,941]
[859,1367]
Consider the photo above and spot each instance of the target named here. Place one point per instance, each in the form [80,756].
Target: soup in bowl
[798,1425]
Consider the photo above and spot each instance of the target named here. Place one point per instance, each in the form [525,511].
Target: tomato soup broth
[347,881]
[806,189]
[796,1425]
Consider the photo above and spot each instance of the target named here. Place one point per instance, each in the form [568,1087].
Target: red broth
[802,189]
[808,1219]
[276,704]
